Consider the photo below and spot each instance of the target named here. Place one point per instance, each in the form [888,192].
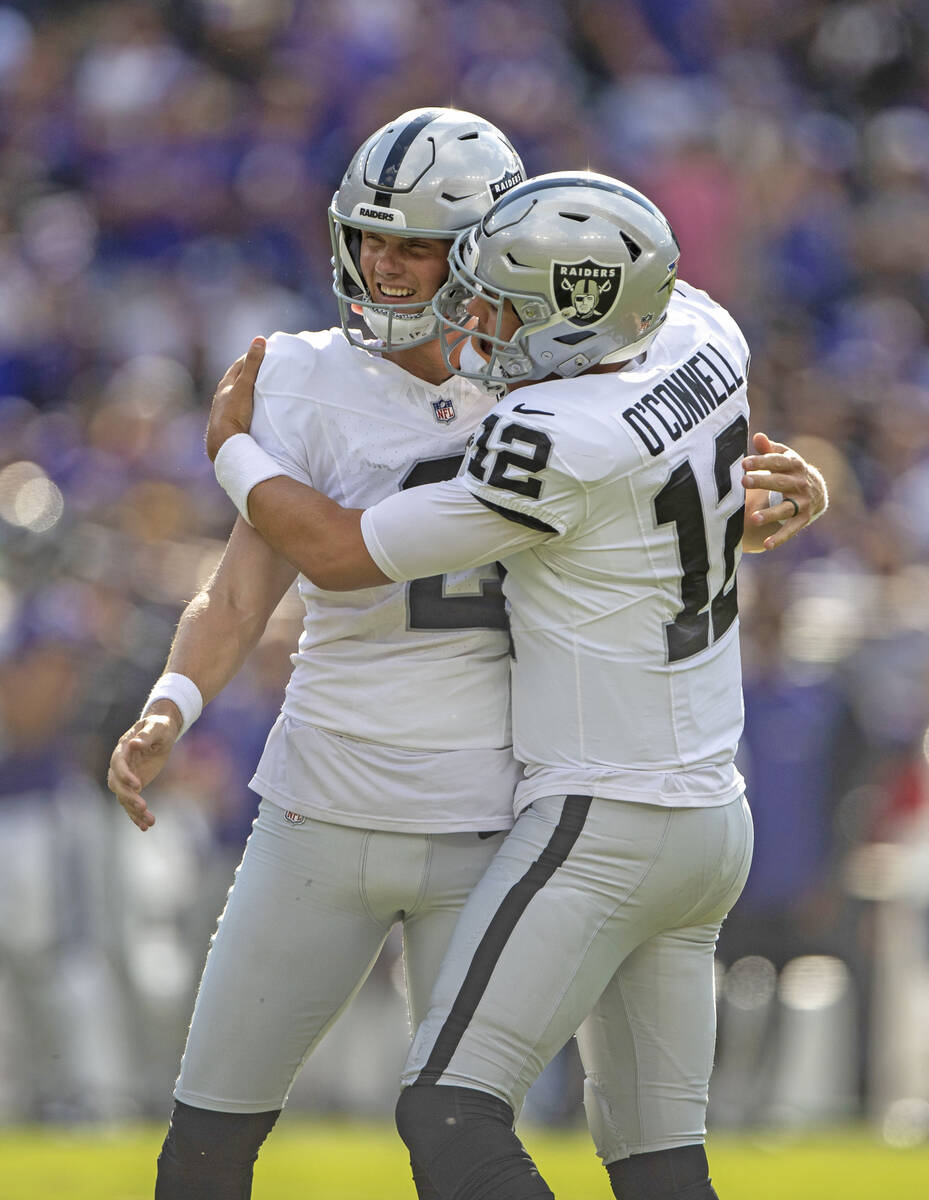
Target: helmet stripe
[397,153]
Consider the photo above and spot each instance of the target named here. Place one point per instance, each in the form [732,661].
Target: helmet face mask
[499,359]
[429,174]
[588,265]
[496,359]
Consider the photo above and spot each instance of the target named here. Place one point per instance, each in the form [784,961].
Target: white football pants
[598,916]
[306,918]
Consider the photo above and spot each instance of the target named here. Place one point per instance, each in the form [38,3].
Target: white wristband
[183,692]
[240,465]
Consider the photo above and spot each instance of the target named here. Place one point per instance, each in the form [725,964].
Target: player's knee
[210,1155]
[678,1174]
[463,1140]
[420,1115]
[426,1115]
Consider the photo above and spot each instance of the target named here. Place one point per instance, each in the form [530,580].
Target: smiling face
[403,271]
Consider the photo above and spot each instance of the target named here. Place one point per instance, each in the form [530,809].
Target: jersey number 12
[678,502]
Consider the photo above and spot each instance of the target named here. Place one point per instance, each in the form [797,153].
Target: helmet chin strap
[475,362]
[398,330]
[470,358]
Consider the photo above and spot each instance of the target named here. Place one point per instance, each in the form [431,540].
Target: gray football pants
[305,920]
[602,917]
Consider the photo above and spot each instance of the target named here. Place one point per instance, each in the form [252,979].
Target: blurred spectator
[63,1024]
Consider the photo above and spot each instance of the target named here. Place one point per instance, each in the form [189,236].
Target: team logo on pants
[585,292]
[294,818]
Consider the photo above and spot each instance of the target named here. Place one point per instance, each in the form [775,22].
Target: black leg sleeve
[210,1155]
[464,1140]
[678,1174]
[424,1187]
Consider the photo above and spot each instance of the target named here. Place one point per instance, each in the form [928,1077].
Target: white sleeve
[534,469]
[280,416]
[439,528]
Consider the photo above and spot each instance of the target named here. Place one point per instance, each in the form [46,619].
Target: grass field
[329,1161]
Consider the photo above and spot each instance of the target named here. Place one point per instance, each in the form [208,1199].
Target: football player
[611,491]
[389,774]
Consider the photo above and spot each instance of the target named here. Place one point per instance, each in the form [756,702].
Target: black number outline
[481,450]
[678,503]
[532,464]
[427,605]
[731,445]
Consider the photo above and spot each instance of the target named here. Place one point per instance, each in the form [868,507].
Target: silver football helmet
[430,173]
[587,262]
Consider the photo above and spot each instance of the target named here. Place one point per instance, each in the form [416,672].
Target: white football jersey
[415,667]
[627,679]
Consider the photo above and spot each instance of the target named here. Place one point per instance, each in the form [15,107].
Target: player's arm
[445,526]
[423,531]
[316,535]
[325,540]
[312,532]
[216,632]
[775,468]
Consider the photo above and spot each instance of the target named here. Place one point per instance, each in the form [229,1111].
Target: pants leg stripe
[573,815]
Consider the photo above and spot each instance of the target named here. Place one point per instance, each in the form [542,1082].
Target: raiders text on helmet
[587,262]
[431,173]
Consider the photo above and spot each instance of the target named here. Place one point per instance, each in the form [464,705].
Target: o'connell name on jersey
[632,602]
[683,397]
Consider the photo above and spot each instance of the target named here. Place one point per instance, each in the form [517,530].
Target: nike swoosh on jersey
[542,412]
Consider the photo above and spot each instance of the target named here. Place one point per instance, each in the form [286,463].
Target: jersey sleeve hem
[533,515]
[519,517]
[439,529]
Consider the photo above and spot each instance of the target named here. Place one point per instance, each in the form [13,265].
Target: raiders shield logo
[585,292]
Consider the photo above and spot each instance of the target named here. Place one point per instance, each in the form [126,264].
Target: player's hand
[774,467]
[139,756]
[231,411]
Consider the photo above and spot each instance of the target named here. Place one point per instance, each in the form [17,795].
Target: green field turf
[328,1161]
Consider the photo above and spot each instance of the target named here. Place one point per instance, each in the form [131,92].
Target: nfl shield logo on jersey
[444,410]
[585,292]
[294,818]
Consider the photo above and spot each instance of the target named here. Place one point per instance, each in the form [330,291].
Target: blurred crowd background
[165,169]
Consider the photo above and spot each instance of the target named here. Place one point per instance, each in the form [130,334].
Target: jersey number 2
[679,502]
[429,605]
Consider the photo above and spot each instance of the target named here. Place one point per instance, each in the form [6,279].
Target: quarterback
[611,492]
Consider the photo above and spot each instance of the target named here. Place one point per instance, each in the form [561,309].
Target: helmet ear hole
[350,258]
